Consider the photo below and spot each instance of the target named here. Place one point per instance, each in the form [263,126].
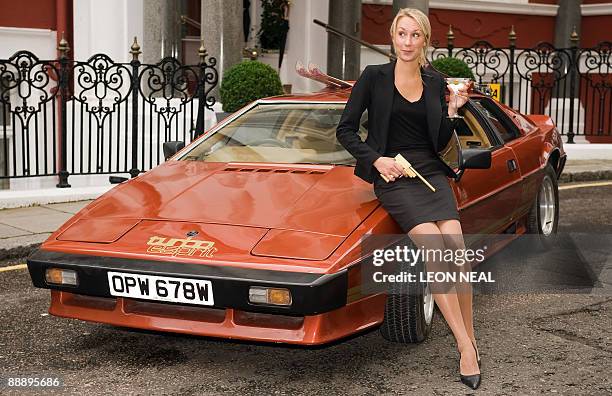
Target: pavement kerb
[19,252]
[586,176]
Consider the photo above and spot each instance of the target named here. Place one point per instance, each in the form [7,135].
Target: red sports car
[253,231]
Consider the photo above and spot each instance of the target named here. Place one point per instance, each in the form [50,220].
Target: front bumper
[319,313]
[311,293]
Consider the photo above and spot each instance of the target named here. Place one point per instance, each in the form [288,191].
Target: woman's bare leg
[453,239]
[428,235]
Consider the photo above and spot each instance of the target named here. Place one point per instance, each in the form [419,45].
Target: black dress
[408,200]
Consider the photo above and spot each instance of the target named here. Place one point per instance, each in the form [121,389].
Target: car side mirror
[473,158]
[172,147]
[117,179]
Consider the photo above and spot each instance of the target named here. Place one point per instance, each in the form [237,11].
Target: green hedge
[246,82]
[453,67]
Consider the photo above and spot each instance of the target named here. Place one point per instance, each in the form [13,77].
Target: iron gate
[64,117]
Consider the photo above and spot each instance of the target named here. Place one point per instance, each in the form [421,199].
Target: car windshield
[285,132]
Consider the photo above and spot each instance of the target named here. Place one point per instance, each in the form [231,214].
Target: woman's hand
[389,168]
[456,100]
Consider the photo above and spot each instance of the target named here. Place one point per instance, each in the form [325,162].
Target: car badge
[181,247]
[192,233]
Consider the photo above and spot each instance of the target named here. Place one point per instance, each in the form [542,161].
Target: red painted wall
[592,32]
[28,14]
[468,27]
[597,115]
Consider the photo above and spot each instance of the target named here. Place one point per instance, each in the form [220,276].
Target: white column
[221,32]
[306,42]
[107,27]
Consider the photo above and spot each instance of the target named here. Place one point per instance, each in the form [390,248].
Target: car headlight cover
[269,295]
[59,276]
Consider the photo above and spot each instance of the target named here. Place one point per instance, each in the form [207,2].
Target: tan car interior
[470,134]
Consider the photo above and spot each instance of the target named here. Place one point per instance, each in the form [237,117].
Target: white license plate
[161,288]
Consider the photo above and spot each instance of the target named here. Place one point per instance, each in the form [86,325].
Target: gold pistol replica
[409,171]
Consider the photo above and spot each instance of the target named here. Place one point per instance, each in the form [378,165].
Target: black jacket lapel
[384,98]
[384,101]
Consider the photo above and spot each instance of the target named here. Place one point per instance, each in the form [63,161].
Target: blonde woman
[407,114]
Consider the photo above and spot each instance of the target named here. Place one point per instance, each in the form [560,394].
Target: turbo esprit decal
[180,247]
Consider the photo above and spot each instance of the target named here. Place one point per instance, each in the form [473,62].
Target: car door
[528,149]
[487,198]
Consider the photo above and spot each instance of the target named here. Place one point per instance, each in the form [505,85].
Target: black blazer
[374,91]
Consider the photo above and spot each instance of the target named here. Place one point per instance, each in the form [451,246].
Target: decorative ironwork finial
[251,53]
[202,52]
[63,46]
[512,36]
[450,36]
[135,49]
[574,36]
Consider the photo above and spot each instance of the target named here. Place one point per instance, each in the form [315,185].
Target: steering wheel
[269,142]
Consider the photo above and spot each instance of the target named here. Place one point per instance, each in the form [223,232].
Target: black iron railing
[572,85]
[63,117]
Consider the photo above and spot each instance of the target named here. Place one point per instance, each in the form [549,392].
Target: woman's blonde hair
[422,21]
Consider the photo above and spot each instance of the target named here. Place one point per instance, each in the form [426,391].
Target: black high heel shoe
[472,381]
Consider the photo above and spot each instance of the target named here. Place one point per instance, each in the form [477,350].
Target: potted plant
[453,67]
[245,82]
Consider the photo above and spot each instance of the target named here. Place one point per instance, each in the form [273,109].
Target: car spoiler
[314,73]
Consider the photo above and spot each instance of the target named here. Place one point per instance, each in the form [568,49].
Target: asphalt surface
[530,343]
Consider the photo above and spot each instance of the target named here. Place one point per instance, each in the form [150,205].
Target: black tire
[543,230]
[405,318]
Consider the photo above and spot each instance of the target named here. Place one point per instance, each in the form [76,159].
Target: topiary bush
[453,67]
[246,82]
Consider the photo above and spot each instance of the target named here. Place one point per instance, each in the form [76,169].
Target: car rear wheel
[409,310]
[543,217]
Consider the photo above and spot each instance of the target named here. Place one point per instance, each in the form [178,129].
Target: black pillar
[568,16]
[344,55]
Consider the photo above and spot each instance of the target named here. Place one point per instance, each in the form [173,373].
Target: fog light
[60,276]
[267,295]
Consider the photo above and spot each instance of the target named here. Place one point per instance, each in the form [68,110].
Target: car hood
[311,198]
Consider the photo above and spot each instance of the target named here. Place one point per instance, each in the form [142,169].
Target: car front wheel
[409,310]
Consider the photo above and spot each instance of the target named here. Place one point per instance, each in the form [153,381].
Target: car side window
[470,132]
[506,130]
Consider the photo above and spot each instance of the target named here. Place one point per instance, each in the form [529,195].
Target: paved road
[530,343]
